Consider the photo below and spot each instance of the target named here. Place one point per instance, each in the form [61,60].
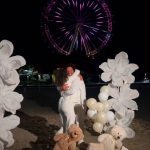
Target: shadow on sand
[38,126]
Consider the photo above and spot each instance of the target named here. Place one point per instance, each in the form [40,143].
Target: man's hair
[70,65]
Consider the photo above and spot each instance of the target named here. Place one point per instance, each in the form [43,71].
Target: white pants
[67,113]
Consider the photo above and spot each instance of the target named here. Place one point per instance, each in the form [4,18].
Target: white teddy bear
[112,141]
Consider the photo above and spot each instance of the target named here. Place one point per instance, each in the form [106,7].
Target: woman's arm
[74,87]
[68,84]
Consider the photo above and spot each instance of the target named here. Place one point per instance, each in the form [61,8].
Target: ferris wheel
[77,25]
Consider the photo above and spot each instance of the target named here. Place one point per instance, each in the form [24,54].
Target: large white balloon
[91,113]
[110,116]
[106,106]
[101,117]
[98,127]
[103,96]
[91,103]
[104,89]
[99,106]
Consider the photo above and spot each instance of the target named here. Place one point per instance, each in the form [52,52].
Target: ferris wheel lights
[73,24]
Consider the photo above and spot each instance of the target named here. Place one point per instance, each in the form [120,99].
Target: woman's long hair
[60,76]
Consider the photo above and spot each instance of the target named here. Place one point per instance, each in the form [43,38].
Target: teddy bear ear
[72,128]
[57,137]
[130,133]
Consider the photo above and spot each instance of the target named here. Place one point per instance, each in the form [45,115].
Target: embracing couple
[73,95]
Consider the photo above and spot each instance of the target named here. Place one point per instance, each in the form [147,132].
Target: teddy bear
[106,142]
[67,141]
[61,141]
[110,141]
[76,134]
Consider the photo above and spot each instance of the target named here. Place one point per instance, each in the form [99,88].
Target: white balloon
[110,116]
[106,106]
[98,127]
[101,117]
[91,103]
[104,89]
[103,96]
[91,113]
[99,106]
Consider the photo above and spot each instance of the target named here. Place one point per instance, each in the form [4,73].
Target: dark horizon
[20,23]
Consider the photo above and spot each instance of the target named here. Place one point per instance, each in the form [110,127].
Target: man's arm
[83,94]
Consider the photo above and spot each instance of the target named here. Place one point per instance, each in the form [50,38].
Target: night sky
[20,23]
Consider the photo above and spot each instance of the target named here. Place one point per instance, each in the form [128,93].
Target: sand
[38,125]
[40,119]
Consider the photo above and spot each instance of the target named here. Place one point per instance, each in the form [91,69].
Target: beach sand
[39,124]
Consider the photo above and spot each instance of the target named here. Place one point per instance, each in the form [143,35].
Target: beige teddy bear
[68,141]
[112,141]
[106,142]
[61,141]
